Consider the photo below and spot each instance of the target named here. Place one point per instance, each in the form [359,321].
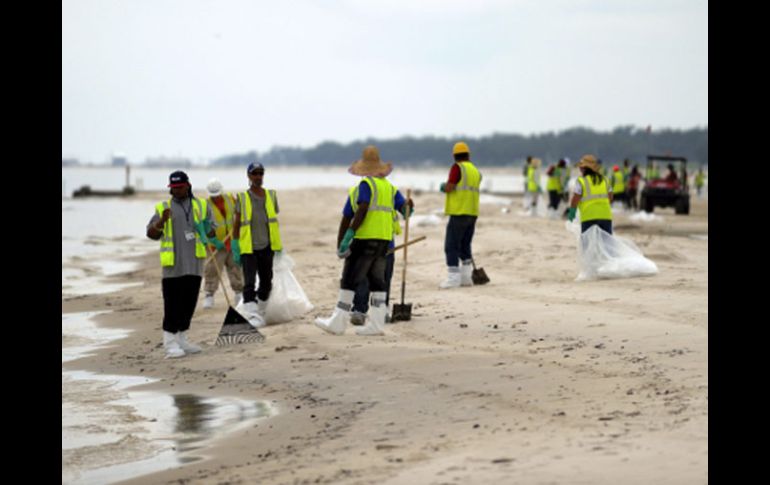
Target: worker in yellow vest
[256,239]
[618,185]
[700,179]
[182,224]
[223,209]
[462,207]
[363,241]
[534,190]
[592,196]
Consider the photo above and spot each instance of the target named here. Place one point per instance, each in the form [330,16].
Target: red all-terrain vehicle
[663,190]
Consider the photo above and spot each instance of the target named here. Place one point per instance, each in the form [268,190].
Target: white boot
[250,310]
[466,272]
[259,320]
[453,278]
[173,350]
[208,301]
[377,312]
[187,346]
[337,323]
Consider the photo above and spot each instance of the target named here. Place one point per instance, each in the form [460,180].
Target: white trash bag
[287,300]
[602,255]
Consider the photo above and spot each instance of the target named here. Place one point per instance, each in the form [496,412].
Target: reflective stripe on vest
[378,223]
[167,238]
[618,187]
[272,222]
[464,199]
[595,201]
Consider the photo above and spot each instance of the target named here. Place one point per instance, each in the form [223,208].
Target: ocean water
[281,178]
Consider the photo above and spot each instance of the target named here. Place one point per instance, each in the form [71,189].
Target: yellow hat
[461,147]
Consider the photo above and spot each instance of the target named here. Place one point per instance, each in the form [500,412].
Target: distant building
[169,162]
[119,160]
[69,162]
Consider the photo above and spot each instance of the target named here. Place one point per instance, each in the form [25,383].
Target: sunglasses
[257,172]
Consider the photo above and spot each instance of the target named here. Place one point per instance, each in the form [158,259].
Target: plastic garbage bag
[603,255]
[287,299]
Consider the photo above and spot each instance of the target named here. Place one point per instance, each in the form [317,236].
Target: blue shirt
[365,195]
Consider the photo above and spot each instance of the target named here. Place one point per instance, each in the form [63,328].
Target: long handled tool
[403,245]
[403,312]
[235,328]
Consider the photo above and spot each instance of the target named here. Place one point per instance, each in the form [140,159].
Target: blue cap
[255,166]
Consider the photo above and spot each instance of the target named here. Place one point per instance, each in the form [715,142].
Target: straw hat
[589,161]
[370,164]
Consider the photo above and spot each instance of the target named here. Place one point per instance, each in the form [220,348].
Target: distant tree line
[498,149]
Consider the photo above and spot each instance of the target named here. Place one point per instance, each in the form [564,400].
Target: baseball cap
[178,179]
[255,166]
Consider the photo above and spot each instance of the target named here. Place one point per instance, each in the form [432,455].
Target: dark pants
[457,242]
[553,199]
[631,199]
[367,261]
[602,223]
[260,262]
[361,299]
[180,295]
[621,197]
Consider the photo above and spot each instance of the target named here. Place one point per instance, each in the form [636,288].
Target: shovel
[235,329]
[479,276]
[403,312]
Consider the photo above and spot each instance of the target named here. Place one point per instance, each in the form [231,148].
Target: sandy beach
[533,378]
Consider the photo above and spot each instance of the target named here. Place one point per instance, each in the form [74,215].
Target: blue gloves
[344,249]
[235,245]
[442,187]
[217,243]
[571,213]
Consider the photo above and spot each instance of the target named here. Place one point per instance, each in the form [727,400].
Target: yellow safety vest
[595,201]
[224,221]
[272,222]
[378,223]
[353,195]
[554,181]
[532,179]
[618,186]
[464,199]
[167,239]
[699,178]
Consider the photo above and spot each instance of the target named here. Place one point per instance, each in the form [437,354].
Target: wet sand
[533,378]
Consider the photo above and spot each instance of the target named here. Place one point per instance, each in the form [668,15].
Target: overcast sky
[205,78]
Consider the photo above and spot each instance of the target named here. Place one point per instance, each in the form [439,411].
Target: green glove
[235,245]
[405,207]
[203,229]
[571,213]
[442,187]
[217,243]
[344,249]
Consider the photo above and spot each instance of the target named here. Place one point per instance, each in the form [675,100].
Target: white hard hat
[214,187]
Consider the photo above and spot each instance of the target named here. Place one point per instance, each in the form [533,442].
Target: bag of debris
[287,300]
[602,255]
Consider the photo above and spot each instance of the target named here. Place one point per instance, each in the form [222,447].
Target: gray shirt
[260,232]
[185,261]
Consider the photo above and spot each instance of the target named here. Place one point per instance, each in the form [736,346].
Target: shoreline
[521,377]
